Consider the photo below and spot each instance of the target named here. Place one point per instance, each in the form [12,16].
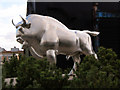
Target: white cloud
[7,30]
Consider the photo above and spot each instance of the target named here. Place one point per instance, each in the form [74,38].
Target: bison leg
[95,55]
[87,49]
[51,56]
[76,59]
[90,52]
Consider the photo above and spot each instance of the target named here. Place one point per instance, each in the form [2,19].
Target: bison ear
[28,25]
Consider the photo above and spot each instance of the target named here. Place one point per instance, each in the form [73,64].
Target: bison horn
[13,22]
[24,21]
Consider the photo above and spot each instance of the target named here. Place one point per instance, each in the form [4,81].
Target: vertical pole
[34,6]
[95,25]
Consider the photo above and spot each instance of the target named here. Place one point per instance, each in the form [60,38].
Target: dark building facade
[102,16]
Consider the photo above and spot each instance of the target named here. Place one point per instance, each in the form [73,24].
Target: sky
[10,9]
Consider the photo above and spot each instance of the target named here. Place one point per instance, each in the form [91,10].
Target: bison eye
[16,26]
[21,30]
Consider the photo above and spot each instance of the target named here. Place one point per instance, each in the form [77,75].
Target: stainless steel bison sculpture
[47,37]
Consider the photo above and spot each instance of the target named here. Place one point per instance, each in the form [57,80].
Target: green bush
[40,73]
[91,73]
[102,73]
[9,68]
[33,73]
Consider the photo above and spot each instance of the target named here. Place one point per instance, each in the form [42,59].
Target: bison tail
[93,33]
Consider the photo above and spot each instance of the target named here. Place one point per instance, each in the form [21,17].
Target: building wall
[79,15]
[6,55]
[14,49]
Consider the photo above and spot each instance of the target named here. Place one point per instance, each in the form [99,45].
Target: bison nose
[20,40]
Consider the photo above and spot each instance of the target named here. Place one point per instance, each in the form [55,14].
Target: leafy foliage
[32,73]
[10,67]
[91,73]
[102,73]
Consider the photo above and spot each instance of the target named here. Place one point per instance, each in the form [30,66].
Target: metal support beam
[95,25]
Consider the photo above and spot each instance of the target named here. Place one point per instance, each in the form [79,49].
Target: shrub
[91,73]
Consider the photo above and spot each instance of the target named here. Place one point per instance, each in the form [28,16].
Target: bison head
[21,29]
